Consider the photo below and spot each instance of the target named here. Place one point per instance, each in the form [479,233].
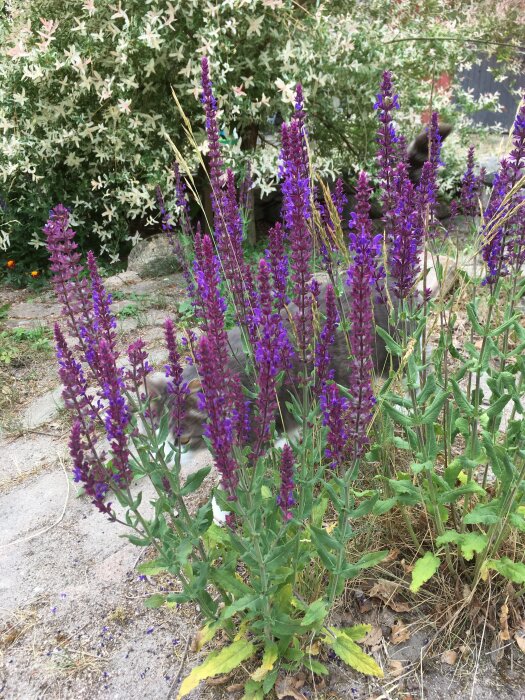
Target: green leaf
[265,492]
[246,601]
[269,681]
[348,651]
[217,663]
[194,481]
[151,568]
[155,601]
[507,324]
[482,515]
[423,570]
[382,507]
[270,656]
[473,542]
[473,318]
[514,571]
[469,542]
[392,347]
[497,407]
[323,540]
[453,495]
[315,613]
[461,400]
[315,666]
[397,416]
[357,632]
[433,411]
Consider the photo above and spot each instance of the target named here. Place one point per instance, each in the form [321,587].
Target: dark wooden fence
[480,79]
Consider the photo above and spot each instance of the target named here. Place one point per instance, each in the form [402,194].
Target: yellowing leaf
[424,569]
[204,635]
[217,663]
[269,658]
[349,652]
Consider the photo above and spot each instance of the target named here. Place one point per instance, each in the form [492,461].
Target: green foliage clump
[87,111]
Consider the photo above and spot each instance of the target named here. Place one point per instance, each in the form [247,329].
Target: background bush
[86,104]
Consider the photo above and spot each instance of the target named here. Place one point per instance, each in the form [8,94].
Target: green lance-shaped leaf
[218,662]
[194,481]
[349,652]
[423,570]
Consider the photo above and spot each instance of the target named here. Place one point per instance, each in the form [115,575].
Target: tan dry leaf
[400,633]
[286,687]
[374,637]
[220,680]
[393,555]
[520,641]
[395,668]
[504,634]
[235,688]
[386,590]
[449,657]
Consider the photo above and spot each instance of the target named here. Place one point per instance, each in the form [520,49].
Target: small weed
[16,344]
[129,311]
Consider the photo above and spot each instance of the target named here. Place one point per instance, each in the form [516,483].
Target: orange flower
[35,273]
[10,264]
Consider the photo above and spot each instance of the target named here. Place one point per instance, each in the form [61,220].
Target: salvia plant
[428,442]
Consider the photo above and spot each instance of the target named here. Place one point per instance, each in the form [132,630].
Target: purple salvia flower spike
[334,408]
[212,130]
[285,499]
[388,152]
[117,416]
[278,260]
[470,186]
[176,386]
[83,473]
[273,353]
[217,404]
[72,292]
[362,277]
[297,214]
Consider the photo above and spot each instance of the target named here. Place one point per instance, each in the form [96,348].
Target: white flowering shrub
[86,104]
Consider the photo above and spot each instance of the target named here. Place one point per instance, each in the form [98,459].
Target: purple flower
[470,187]
[104,321]
[406,236]
[427,188]
[75,387]
[361,224]
[83,473]
[326,340]
[216,401]
[273,352]
[139,368]
[72,291]
[297,213]
[277,259]
[182,202]
[176,386]
[334,408]
[362,276]
[503,233]
[388,152]
[117,413]
[215,160]
[286,499]
[168,224]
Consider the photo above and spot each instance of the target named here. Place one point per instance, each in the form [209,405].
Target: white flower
[254,26]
